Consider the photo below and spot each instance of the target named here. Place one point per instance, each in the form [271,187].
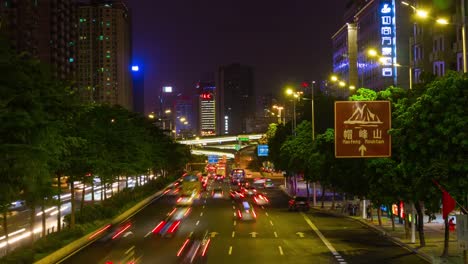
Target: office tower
[44,29]
[207,108]
[236,98]
[104,53]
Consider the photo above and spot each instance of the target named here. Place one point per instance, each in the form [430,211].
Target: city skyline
[178,42]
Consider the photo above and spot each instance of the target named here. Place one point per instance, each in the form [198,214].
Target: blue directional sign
[262,150]
[212,159]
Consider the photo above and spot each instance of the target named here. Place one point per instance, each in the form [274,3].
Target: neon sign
[206,96]
[387,37]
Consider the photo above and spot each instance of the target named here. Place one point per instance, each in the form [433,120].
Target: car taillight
[239,214]
[100,231]
[206,247]
[121,231]
[182,248]
[255,198]
[254,214]
[172,212]
[174,226]
[158,227]
[178,200]
[188,211]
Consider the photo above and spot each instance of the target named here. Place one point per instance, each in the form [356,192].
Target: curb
[74,247]
[376,229]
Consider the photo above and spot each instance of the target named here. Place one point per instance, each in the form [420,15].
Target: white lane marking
[235,222]
[191,233]
[205,200]
[233,233]
[263,207]
[203,207]
[201,214]
[234,214]
[266,213]
[128,250]
[271,223]
[320,235]
[276,235]
[230,250]
[149,233]
[280,250]
[232,202]
[233,207]
[197,222]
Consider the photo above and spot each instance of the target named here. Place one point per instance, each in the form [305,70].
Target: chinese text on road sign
[361,129]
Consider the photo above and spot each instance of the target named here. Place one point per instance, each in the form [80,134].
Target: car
[298,203]
[194,249]
[236,194]
[219,177]
[269,183]
[173,190]
[179,213]
[184,200]
[245,212]
[217,193]
[249,190]
[260,199]
[167,227]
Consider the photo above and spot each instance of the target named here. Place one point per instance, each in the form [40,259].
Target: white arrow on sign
[213,234]
[254,234]
[362,149]
[300,234]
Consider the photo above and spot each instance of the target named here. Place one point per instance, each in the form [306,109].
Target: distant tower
[138,78]
[207,108]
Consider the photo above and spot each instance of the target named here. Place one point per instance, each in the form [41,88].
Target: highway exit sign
[361,129]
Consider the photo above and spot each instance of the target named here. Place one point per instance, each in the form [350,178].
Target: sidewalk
[433,232]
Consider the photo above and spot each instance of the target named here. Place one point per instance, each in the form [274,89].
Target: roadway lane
[278,236]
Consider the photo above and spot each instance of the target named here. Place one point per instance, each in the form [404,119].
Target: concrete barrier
[69,250]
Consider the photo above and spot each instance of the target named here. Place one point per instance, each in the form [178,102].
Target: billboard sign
[361,129]
[262,150]
[387,37]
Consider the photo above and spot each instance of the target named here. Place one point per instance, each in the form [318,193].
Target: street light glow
[333,78]
[168,111]
[342,84]
[372,52]
[183,119]
[442,21]
[151,116]
[421,13]
[352,87]
[289,91]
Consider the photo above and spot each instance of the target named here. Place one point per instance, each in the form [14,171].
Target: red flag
[448,203]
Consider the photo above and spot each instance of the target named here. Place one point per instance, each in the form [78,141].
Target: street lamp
[279,108]
[291,92]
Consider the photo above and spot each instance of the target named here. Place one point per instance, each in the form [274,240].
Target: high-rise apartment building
[407,47]
[236,98]
[45,29]
[104,53]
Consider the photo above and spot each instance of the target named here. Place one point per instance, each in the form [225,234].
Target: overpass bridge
[220,146]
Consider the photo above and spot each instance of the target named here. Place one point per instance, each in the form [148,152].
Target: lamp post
[295,95]
[279,108]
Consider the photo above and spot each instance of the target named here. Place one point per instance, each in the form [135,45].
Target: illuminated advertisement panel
[387,37]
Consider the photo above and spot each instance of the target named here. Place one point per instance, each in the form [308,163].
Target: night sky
[179,41]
